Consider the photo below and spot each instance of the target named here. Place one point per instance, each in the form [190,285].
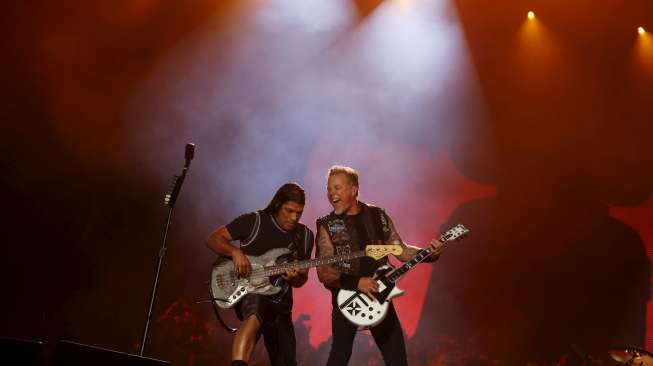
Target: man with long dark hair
[276,226]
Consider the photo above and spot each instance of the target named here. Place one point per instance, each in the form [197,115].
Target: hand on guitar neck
[295,277]
[437,247]
[369,285]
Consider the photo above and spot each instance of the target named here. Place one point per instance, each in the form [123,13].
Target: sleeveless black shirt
[350,233]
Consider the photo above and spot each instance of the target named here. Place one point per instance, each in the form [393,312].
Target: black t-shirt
[258,232]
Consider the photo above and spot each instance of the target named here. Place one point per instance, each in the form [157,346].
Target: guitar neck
[420,257]
[395,275]
[309,263]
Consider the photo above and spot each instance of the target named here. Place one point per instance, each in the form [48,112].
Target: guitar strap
[369,225]
[302,237]
[371,222]
[297,237]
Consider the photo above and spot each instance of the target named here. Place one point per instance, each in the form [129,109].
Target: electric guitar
[365,311]
[227,287]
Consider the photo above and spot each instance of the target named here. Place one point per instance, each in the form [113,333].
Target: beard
[342,208]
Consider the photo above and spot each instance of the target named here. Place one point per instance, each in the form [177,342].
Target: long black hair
[287,192]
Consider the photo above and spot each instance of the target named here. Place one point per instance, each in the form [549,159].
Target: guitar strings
[265,271]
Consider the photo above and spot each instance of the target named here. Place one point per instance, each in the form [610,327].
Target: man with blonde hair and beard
[349,227]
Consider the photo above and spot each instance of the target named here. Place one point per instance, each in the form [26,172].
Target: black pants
[388,337]
[276,326]
[279,339]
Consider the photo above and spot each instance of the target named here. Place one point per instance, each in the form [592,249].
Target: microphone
[169,200]
[190,152]
[175,186]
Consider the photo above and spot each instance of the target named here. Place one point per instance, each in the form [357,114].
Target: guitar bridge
[236,295]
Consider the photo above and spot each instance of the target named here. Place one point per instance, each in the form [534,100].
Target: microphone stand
[169,200]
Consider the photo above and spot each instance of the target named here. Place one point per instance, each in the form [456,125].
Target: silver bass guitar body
[227,288]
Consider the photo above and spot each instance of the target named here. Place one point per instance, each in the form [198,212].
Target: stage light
[531,15]
[641,30]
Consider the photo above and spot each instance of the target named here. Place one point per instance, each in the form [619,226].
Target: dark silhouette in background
[536,278]
[546,266]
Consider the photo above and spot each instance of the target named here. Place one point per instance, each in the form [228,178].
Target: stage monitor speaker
[75,354]
[15,352]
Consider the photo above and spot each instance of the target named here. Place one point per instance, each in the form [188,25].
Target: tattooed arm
[328,274]
[409,250]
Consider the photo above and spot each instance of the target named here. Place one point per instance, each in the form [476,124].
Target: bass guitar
[227,287]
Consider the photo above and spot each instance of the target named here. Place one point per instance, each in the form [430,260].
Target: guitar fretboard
[417,259]
[282,268]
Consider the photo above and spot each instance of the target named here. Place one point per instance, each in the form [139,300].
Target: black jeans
[388,337]
[279,338]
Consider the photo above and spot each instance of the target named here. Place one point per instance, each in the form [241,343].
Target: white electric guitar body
[365,311]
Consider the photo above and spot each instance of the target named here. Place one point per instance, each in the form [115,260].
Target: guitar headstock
[455,233]
[379,251]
